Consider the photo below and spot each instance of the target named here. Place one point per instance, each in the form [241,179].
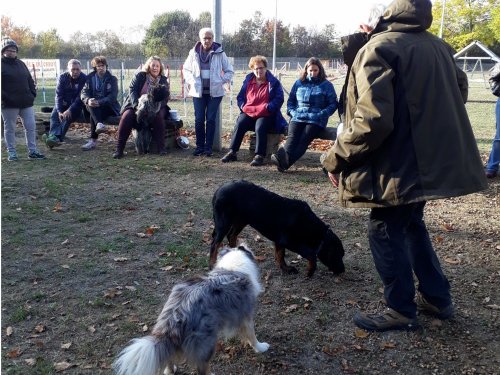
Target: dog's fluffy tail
[143,356]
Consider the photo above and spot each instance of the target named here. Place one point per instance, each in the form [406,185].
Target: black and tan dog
[289,223]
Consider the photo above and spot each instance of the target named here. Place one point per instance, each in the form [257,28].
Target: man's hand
[93,102]
[334,178]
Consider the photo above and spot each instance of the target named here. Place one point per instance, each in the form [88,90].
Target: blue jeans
[205,112]
[300,135]
[401,246]
[261,127]
[60,128]
[494,159]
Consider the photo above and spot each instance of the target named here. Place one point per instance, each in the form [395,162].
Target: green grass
[19,314]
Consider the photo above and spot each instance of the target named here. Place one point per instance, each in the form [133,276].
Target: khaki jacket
[407,136]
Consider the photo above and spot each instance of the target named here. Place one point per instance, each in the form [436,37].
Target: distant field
[480,107]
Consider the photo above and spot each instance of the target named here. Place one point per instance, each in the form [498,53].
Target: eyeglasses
[11,50]
[259,68]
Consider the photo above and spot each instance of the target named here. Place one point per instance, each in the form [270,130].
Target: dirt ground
[92,246]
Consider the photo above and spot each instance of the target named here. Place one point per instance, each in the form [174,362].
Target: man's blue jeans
[60,128]
[401,246]
[205,112]
[494,159]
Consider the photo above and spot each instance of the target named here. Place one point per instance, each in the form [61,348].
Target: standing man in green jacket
[407,139]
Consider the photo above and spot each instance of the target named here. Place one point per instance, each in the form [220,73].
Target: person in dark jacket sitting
[68,107]
[260,100]
[100,98]
[18,96]
[143,82]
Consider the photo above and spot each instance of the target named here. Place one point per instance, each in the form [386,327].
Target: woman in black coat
[152,76]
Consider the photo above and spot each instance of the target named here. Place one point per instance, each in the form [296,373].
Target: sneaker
[491,174]
[257,161]
[100,128]
[230,156]
[90,145]
[426,307]
[198,152]
[118,155]
[52,141]
[280,160]
[386,321]
[276,162]
[35,155]
[12,156]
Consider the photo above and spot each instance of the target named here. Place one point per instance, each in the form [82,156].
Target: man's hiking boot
[386,321]
[426,307]
[229,157]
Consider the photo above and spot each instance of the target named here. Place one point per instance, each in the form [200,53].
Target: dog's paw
[261,347]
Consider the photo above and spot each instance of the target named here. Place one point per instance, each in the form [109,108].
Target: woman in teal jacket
[311,102]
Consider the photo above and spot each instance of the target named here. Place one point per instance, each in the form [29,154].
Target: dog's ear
[160,93]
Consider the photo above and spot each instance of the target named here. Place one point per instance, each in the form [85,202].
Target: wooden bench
[274,140]
[42,119]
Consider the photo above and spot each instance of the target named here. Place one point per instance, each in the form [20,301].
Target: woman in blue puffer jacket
[311,102]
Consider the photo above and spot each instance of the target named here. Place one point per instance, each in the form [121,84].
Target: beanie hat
[7,42]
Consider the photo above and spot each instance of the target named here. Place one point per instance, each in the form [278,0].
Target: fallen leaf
[71,256]
[40,328]
[291,308]
[66,241]
[112,293]
[494,307]
[66,266]
[62,366]
[439,239]
[145,328]
[57,207]
[120,259]
[91,329]
[14,353]
[30,361]
[361,333]
[167,268]
[388,345]
[9,331]
[452,260]
[141,235]
[66,345]
[260,258]
[447,227]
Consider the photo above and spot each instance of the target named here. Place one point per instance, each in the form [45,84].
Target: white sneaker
[100,128]
[90,145]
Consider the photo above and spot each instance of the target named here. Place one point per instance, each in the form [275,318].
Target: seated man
[99,95]
[68,105]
